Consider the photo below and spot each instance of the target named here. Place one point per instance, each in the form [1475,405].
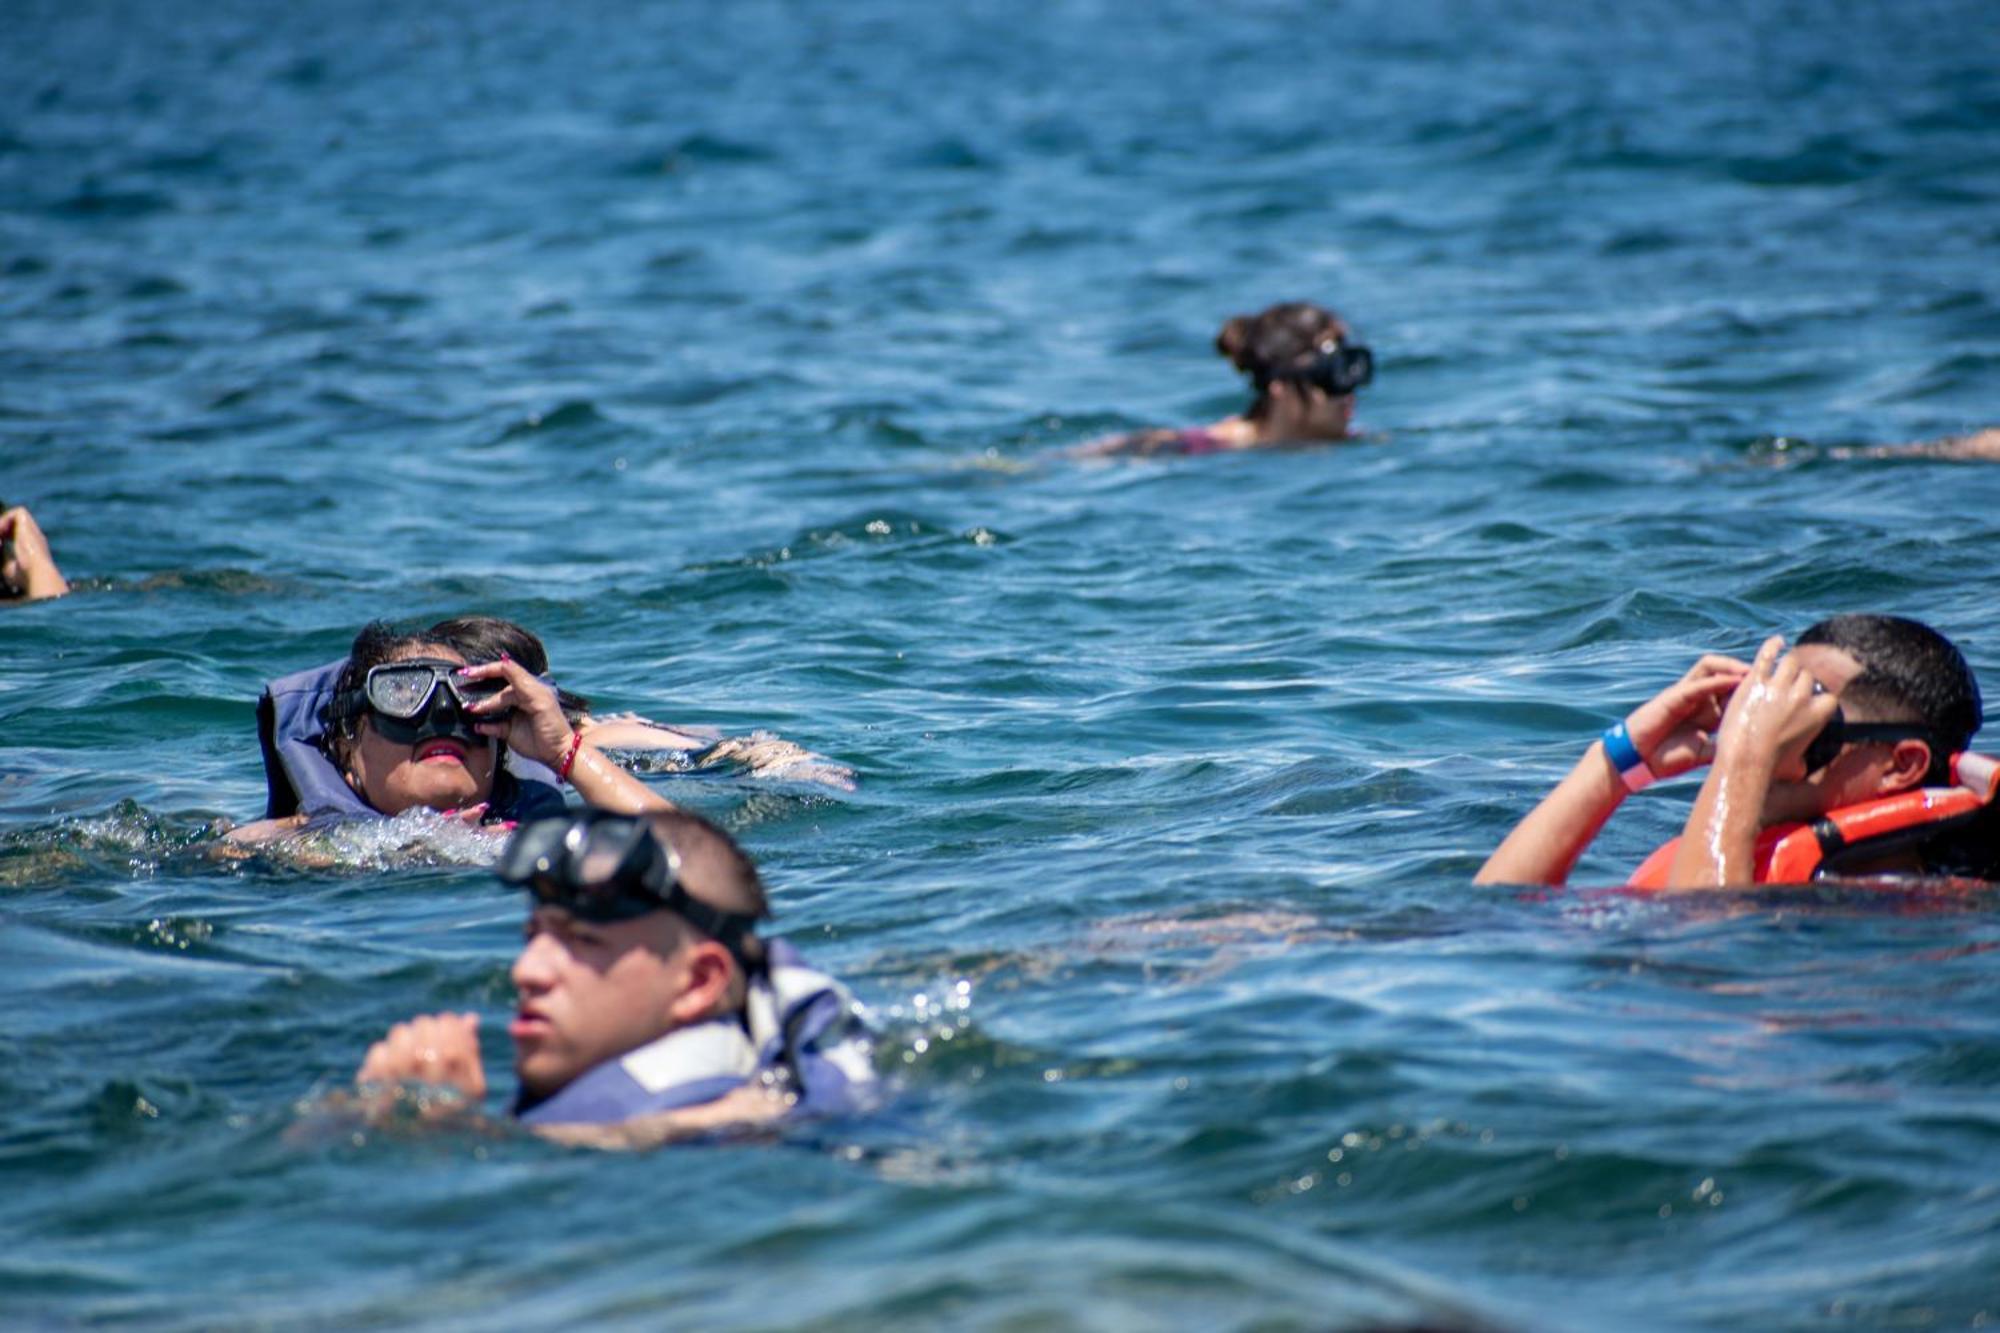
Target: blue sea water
[733,349]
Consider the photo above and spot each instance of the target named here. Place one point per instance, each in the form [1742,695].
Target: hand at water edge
[438,1050]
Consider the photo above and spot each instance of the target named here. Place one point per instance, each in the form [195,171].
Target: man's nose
[534,968]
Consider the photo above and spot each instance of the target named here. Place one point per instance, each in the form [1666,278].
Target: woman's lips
[441,749]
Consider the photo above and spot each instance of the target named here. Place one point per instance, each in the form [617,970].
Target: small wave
[185,162]
[931,1032]
[574,415]
[232,582]
[695,150]
[880,529]
[93,202]
[950,154]
[153,286]
[1823,161]
[127,840]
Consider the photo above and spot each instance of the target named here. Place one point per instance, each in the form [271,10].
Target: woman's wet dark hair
[489,638]
[1277,343]
[378,642]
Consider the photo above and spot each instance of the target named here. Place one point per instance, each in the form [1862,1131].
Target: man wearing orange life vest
[1907,703]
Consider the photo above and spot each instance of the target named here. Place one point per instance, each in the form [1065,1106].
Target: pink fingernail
[510,823]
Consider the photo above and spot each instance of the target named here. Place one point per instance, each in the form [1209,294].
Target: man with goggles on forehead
[646,999]
[1868,714]
[407,722]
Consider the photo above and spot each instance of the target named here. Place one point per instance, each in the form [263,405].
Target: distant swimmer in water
[1855,742]
[1305,366]
[410,721]
[484,638]
[28,570]
[647,1006]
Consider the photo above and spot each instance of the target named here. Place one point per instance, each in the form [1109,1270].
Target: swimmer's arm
[31,567]
[1979,447]
[768,756]
[1544,846]
[1673,732]
[1764,732]
[764,755]
[629,731]
[1137,443]
[530,719]
[264,830]
[603,784]
[745,1108]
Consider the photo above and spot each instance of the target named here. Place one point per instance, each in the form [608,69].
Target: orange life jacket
[1794,853]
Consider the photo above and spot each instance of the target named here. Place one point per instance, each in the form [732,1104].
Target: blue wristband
[1625,757]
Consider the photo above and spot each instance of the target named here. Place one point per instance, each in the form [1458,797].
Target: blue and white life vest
[799,1027]
[300,776]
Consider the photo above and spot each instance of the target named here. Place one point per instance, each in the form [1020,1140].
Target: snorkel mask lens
[597,866]
[402,689]
[407,705]
[1341,368]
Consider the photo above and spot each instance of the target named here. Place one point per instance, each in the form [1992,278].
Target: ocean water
[733,349]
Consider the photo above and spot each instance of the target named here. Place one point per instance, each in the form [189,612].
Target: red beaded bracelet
[569,760]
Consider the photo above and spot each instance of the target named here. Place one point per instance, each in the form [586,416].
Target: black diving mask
[1337,369]
[408,705]
[1839,733]
[606,867]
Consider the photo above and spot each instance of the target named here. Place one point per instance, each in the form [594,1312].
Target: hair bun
[1233,339]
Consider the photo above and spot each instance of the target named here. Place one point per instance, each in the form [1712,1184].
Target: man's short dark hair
[1909,673]
[716,871]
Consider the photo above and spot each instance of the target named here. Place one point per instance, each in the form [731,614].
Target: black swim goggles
[405,700]
[605,867]
[1338,368]
[1839,733]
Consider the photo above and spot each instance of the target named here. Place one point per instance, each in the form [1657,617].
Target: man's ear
[1908,763]
[710,969]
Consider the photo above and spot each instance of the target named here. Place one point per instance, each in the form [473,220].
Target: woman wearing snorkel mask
[1305,365]
[760,754]
[406,722]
